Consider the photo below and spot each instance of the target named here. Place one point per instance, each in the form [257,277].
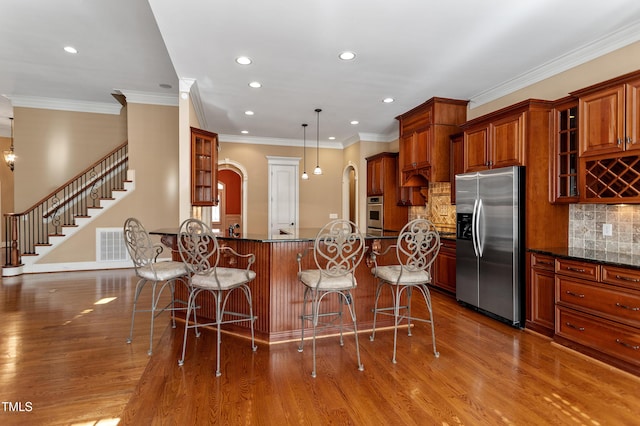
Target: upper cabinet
[609,119]
[204,168]
[457,161]
[497,143]
[382,174]
[609,149]
[424,140]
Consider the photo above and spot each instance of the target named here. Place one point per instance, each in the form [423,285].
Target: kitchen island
[277,293]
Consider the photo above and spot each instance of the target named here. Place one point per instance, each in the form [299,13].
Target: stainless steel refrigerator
[490,242]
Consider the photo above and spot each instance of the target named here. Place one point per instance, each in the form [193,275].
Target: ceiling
[406,49]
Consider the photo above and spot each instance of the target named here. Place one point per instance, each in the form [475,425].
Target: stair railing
[33,227]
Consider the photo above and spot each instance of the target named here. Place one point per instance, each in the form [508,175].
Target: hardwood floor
[68,358]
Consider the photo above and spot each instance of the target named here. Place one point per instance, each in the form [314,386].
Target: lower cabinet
[598,311]
[541,304]
[444,267]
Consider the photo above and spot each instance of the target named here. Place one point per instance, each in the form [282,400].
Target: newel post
[12,257]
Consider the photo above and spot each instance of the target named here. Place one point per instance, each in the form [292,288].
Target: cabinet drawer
[604,336]
[611,302]
[621,276]
[542,262]
[573,268]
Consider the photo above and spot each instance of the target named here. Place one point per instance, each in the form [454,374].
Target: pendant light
[305,176]
[10,156]
[317,170]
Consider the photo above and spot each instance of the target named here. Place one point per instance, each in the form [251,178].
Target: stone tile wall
[585,227]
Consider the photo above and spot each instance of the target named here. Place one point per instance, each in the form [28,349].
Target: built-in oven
[374,213]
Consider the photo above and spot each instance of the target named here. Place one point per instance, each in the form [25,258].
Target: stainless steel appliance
[490,242]
[375,218]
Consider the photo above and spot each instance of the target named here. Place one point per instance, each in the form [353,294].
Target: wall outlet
[607,230]
[333,215]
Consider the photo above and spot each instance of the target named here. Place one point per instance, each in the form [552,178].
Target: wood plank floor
[68,358]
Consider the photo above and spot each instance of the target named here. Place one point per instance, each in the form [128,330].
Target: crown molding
[275,141]
[152,98]
[613,41]
[65,104]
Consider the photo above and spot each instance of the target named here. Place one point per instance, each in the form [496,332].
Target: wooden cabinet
[598,311]
[541,295]
[424,140]
[457,161]
[609,127]
[204,168]
[382,181]
[444,267]
[609,118]
[564,155]
[497,143]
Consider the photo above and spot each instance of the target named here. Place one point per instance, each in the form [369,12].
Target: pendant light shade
[305,176]
[317,170]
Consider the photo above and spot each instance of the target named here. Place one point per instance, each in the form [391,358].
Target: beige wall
[6,185]
[153,153]
[319,196]
[53,146]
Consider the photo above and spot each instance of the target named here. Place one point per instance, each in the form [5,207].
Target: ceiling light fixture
[317,170]
[354,122]
[243,60]
[388,100]
[347,56]
[10,156]
[305,176]
[255,84]
[70,49]
[244,132]
[248,113]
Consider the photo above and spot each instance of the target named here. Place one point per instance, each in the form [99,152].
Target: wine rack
[612,179]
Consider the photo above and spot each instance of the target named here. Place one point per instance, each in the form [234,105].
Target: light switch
[607,230]
[333,215]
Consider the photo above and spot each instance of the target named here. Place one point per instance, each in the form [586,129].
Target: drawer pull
[623,278]
[627,345]
[631,308]
[571,293]
[575,327]
[542,262]
[571,268]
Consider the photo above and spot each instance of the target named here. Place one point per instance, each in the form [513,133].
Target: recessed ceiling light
[388,100]
[165,85]
[70,49]
[243,60]
[354,122]
[347,56]
[248,112]
[332,138]
[255,84]
[244,132]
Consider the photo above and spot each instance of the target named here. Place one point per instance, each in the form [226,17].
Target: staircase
[40,229]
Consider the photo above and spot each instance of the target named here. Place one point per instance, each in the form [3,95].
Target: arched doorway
[233,177]
[350,193]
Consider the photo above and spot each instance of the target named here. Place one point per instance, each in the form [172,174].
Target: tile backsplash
[586,222]
[438,208]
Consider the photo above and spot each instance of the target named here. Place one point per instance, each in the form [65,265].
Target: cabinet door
[632,129]
[204,168]
[375,177]
[602,121]
[406,159]
[541,302]
[506,142]
[444,267]
[475,149]
[415,149]
[564,152]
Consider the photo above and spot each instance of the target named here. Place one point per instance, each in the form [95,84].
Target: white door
[283,195]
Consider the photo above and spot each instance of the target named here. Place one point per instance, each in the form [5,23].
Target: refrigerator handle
[479,212]
[473,226]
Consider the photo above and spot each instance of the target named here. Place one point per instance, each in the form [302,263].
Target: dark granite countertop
[589,255]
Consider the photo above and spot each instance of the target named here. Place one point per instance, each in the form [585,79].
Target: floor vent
[110,246]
